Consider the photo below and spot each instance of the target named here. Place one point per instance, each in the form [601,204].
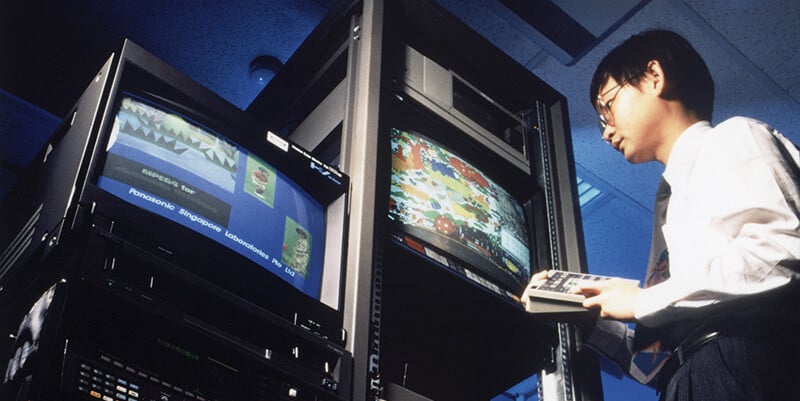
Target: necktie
[647,338]
[658,264]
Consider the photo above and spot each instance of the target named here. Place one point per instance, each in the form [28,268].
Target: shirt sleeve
[732,226]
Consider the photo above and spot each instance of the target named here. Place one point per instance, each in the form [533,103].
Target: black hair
[690,80]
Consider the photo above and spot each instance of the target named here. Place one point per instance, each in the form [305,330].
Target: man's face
[631,115]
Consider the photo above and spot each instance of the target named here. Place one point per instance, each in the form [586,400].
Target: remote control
[558,284]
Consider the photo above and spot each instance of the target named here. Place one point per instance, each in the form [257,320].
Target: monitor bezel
[140,73]
[406,114]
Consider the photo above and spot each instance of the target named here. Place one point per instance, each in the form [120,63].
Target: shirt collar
[683,153]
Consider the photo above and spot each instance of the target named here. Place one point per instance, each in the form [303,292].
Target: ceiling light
[263,68]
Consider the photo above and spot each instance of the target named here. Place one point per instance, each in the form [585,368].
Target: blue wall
[24,129]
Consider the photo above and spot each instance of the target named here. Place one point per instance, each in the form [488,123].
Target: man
[721,296]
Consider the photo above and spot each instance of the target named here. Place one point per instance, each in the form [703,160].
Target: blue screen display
[172,166]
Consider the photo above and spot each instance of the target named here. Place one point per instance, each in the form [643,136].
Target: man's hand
[614,298]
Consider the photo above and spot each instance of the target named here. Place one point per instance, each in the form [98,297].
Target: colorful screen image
[436,190]
[261,180]
[167,164]
[296,247]
[173,140]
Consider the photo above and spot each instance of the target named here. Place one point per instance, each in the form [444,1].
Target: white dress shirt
[732,228]
[733,222]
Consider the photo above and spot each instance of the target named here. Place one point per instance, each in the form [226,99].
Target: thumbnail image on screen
[435,190]
[163,162]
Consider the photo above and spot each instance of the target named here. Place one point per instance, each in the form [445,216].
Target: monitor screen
[446,201]
[166,163]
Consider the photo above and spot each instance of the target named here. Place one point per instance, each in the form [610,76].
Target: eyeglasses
[604,108]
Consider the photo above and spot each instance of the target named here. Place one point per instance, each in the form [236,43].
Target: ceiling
[58,46]
[51,49]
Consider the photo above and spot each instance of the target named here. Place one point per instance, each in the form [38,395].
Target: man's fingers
[589,288]
[591,302]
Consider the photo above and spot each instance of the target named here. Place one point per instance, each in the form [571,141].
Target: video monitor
[210,201]
[462,214]
[172,166]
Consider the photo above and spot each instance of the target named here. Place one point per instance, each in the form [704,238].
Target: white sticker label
[277,141]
